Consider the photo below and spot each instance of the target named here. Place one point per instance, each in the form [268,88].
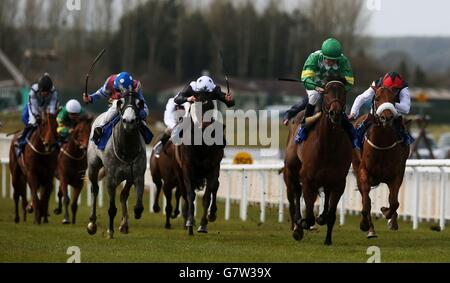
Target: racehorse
[165,176]
[35,166]
[323,160]
[72,164]
[199,164]
[124,159]
[382,159]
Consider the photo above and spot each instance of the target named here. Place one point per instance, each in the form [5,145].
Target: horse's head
[334,100]
[81,131]
[47,131]
[129,107]
[203,104]
[384,106]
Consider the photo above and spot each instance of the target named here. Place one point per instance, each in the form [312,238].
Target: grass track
[227,241]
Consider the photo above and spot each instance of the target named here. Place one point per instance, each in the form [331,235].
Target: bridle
[326,107]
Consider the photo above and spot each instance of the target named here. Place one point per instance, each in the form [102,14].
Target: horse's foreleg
[48,189]
[206,202]
[168,195]
[391,212]
[294,192]
[366,224]
[335,196]
[74,206]
[112,210]
[58,210]
[190,191]
[16,196]
[139,207]
[322,219]
[158,184]
[64,189]
[34,186]
[123,228]
[310,195]
[177,202]
[92,226]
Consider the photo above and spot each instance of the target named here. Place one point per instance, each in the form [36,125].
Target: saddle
[108,128]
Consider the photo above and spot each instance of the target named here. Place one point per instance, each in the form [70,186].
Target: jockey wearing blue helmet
[114,88]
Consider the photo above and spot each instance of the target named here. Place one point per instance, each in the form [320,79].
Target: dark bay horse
[199,164]
[35,166]
[124,159]
[72,164]
[323,160]
[165,176]
[382,159]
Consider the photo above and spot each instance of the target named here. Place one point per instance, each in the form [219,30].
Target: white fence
[424,194]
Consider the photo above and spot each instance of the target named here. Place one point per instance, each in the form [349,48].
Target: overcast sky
[402,17]
[410,17]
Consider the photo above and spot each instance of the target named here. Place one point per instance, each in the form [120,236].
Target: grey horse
[124,159]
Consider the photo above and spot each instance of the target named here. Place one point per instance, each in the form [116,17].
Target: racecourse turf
[227,241]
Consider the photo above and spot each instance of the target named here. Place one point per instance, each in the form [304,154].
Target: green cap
[331,49]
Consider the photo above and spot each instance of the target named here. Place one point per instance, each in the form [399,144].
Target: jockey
[68,116]
[43,97]
[204,84]
[320,65]
[114,89]
[171,121]
[395,82]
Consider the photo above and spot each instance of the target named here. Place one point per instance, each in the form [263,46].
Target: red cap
[393,79]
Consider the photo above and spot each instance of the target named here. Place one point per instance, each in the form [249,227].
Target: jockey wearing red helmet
[398,85]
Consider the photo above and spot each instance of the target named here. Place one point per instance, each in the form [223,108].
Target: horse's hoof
[29,209]
[45,221]
[156,209]
[297,233]
[328,242]
[123,229]
[393,226]
[17,219]
[167,226]
[110,234]
[175,214]
[371,234]
[191,230]
[92,228]
[65,221]
[138,212]
[364,226]
[202,229]
[212,217]
[57,211]
[385,212]
[305,225]
[321,220]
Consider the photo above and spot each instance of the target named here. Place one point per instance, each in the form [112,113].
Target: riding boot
[402,133]
[348,127]
[98,131]
[160,144]
[22,139]
[303,131]
[361,131]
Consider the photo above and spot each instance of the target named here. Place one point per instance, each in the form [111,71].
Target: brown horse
[165,176]
[323,160]
[72,164]
[382,159]
[199,164]
[36,166]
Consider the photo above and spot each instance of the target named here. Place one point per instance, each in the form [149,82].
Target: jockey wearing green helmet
[320,65]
